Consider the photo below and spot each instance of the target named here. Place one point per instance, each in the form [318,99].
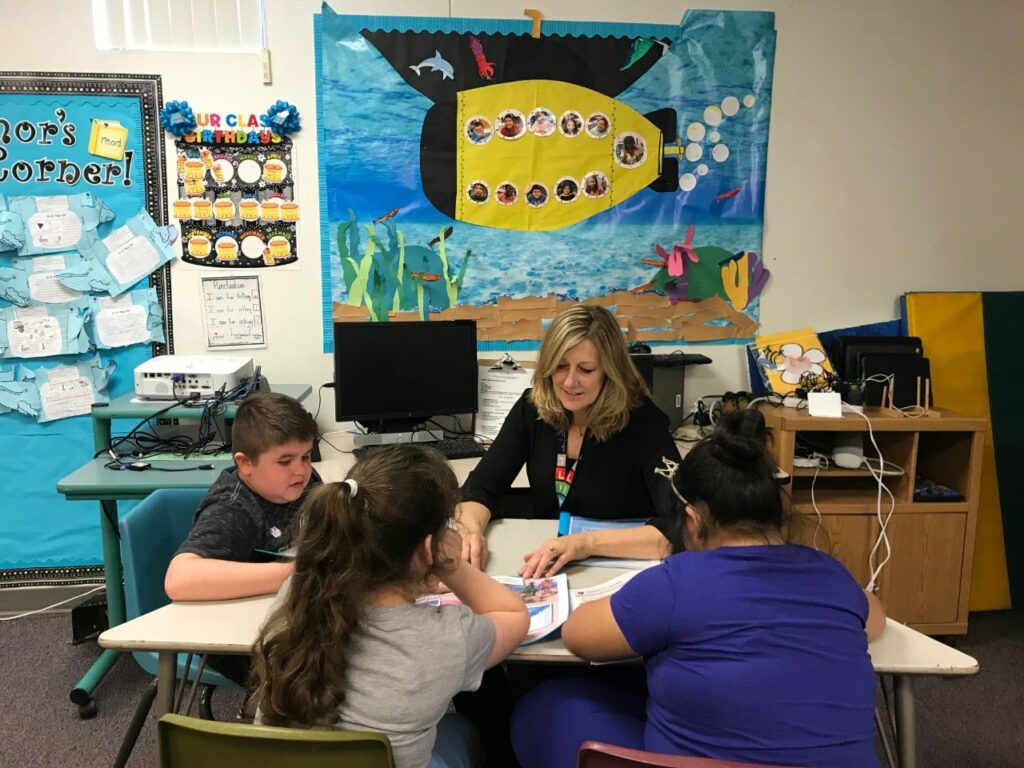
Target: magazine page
[546,599]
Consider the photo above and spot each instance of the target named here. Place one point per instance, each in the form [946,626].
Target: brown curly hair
[346,547]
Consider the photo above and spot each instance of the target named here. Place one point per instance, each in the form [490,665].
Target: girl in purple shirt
[755,649]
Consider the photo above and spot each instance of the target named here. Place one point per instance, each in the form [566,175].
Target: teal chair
[151,533]
[185,742]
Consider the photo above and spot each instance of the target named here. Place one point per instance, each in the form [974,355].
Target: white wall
[893,163]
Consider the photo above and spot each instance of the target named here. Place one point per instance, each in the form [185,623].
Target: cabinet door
[848,538]
[921,582]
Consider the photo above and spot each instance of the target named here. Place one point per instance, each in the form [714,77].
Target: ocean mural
[471,169]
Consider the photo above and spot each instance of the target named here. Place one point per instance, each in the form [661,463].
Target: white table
[336,458]
[231,626]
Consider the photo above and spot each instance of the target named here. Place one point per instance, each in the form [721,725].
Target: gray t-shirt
[405,663]
[232,521]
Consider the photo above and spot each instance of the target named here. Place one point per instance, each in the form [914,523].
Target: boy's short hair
[266,420]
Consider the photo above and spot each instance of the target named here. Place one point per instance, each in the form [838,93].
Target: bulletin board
[480,169]
[45,120]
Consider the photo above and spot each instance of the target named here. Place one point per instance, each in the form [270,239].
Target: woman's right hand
[472,518]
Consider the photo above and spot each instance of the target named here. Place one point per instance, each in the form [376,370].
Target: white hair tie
[353,487]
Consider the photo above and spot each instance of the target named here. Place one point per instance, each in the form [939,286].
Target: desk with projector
[93,481]
[232,626]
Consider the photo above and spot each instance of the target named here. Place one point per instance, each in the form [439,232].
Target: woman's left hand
[553,555]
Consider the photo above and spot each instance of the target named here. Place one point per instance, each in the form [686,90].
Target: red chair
[597,754]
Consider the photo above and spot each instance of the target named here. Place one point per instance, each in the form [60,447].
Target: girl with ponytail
[348,647]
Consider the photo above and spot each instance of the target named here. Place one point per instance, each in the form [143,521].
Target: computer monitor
[391,377]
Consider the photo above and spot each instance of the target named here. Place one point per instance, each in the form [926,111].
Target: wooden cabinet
[926,582]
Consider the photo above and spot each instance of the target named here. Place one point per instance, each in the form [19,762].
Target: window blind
[224,26]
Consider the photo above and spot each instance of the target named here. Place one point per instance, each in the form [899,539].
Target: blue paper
[54,223]
[124,257]
[135,317]
[42,331]
[70,390]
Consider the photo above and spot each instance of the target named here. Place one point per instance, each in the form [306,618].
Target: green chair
[187,742]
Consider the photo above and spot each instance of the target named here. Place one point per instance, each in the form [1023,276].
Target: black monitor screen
[404,371]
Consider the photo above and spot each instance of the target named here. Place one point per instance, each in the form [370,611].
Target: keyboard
[450,448]
[454,448]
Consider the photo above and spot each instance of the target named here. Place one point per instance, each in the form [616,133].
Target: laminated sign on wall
[235,196]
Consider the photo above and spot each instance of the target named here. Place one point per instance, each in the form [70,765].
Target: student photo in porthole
[630,149]
[478,192]
[511,124]
[536,195]
[598,125]
[571,123]
[478,130]
[507,193]
[542,122]
[595,184]
[567,190]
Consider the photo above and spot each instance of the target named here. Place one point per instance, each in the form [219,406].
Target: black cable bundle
[212,438]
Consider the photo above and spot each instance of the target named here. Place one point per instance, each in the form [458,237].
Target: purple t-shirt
[755,654]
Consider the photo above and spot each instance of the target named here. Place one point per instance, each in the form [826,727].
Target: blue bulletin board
[45,122]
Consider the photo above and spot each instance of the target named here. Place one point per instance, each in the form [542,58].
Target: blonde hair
[623,389]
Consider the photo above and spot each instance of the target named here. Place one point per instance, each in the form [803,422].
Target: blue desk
[94,482]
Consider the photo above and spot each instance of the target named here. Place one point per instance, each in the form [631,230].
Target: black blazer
[614,479]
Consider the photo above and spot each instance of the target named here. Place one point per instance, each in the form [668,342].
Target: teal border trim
[326,305]
[522,26]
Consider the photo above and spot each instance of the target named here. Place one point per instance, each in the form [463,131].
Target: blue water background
[370,128]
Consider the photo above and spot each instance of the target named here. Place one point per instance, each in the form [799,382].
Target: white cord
[55,605]
[888,469]
[821,462]
[883,521]
[814,503]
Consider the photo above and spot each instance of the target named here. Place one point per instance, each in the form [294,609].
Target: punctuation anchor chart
[233,312]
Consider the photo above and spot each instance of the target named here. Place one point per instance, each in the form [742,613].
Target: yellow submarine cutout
[525,133]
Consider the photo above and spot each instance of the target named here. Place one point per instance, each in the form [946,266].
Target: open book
[579,524]
[548,600]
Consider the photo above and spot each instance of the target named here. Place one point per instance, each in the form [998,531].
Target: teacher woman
[591,439]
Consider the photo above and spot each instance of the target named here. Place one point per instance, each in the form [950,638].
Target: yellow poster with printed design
[791,360]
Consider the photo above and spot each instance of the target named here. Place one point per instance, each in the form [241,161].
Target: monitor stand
[393,433]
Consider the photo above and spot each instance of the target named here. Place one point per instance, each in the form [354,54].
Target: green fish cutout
[637,50]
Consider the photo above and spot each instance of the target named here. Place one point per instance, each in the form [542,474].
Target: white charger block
[826,404]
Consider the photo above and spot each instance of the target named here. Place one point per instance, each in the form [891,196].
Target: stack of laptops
[870,361]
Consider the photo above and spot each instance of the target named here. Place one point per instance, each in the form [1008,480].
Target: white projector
[176,377]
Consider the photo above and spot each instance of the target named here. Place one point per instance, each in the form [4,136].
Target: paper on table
[579,524]
[499,389]
[578,597]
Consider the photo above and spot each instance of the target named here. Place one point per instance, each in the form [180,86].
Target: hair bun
[741,437]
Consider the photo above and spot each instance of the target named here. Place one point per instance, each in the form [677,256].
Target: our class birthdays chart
[235,203]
